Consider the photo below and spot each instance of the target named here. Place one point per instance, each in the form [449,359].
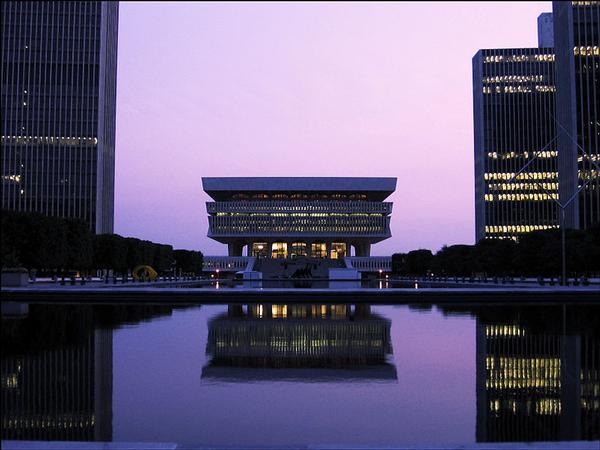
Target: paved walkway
[39,445]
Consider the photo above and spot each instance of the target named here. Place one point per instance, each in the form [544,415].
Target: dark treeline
[54,327]
[536,254]
[54,246]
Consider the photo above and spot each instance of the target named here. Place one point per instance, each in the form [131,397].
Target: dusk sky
[310,89]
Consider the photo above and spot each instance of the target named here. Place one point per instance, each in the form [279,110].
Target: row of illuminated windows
[296,229]
[511,155]
[521,176]
[16,179]
[545,57]
[512,363]
[298,249]
[543,407]
[72,141]
[290,220]
[298,196]
[223,214]
[512,79]
[522,89]
[527,381]
[595,158]
[300,206]
[524,186]
[588,174]
[299,311]
[585,3]
[495,229]
[307,345]
[587,51]
[502,331]
[520,197]
[49,422]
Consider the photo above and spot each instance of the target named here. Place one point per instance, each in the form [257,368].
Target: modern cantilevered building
[293,217]
[577,47]
[59,72]
[513,106]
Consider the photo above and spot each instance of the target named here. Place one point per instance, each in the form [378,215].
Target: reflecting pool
[274,374]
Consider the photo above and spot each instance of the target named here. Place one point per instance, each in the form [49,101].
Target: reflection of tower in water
[62,393]
[57,369]
[536,385]
[299,341]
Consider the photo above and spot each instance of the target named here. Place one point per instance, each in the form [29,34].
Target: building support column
[363,249]
[235,248]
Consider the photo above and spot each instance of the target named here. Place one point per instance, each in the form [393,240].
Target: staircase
[302,267]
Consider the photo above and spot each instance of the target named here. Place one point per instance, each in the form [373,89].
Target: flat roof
[218,185]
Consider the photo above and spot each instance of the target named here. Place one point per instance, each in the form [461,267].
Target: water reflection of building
[56,370]
[535,383]
[299,341]
[60,393]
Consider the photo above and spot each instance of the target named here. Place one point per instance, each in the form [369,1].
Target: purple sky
[325,89]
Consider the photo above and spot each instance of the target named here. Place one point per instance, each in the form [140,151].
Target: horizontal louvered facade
[314,217]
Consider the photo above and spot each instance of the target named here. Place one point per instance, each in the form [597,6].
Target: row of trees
[56,245]
[535,254]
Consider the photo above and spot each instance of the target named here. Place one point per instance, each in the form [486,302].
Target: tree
[537,253]
[418,262]
[80,245]
[110,252]
[188,261]
[163,257]
[455,260]
[398,262]
[494,257]
[33,240]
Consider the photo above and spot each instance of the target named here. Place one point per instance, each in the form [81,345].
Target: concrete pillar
[235,311]
[363,249]
[362,311]
[235,249]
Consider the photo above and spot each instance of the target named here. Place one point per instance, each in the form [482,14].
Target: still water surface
[266,374]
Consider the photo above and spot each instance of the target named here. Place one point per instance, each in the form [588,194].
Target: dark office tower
[577,44]
[513,99]
[59,68]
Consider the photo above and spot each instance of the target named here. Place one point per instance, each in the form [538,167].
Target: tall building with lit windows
[513,104]
[59,69]
[541,104]
[577,48]
[299,217]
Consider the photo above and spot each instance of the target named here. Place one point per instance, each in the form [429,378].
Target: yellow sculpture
[144,273]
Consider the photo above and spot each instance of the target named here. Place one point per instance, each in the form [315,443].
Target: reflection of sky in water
[159,395]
